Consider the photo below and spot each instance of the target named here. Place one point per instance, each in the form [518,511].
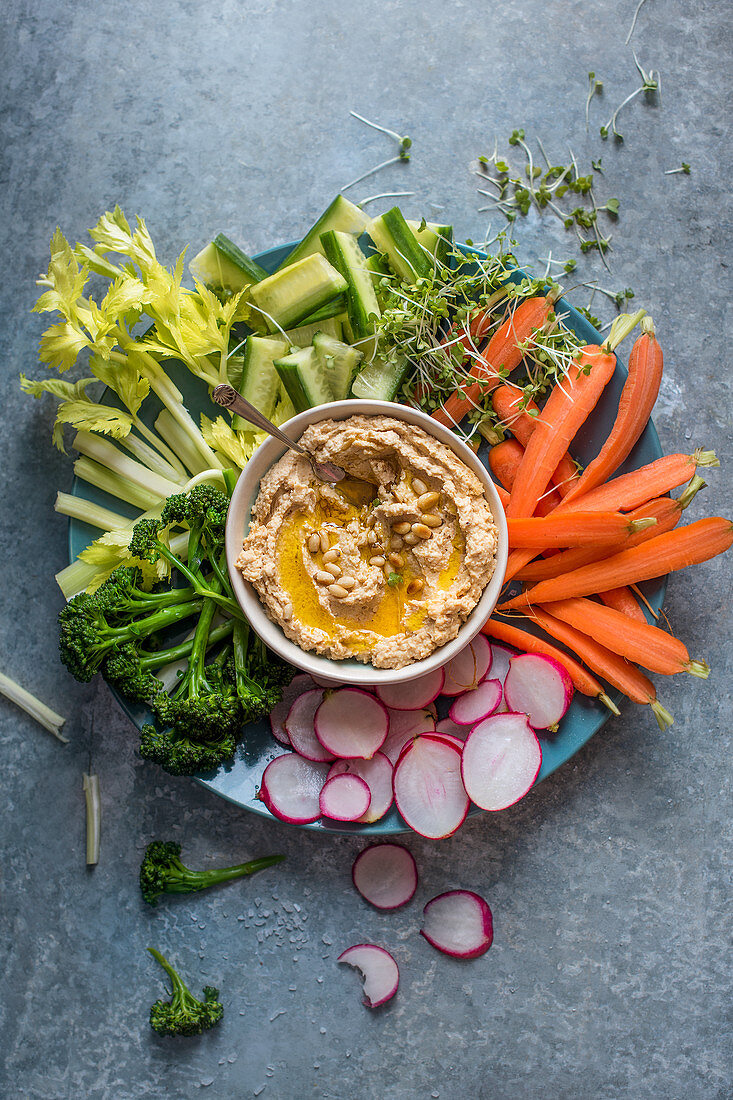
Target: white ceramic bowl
[245,493]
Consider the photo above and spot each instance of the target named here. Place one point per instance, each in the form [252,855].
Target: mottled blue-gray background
[609,974]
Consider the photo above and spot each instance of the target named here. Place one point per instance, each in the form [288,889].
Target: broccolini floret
[180,755]
[184,1014]
[162,872]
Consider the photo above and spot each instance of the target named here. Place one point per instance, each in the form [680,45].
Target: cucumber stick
[303,335]
[260,381]
[341,215]
[394,239]
[338,361]
[224,268]
[437,239]
[294,292]
[304,379]
[343,253]
[380,380]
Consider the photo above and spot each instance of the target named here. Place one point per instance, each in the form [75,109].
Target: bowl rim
[245,492]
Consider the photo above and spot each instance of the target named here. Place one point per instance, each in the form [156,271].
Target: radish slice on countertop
[378,969]
[413,694]
[539,687]
[377,774]
[471,706]
[301,730]
[344,797]
[500,762]
[468,667]
[385,875]
[297,686]
[290,788]
[447,725]
[351,723]
[458,923]
[428,788]
[403,726]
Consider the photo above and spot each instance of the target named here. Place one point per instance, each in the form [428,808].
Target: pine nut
[411,539]
[372,538]
[396,560]
[427,501]
[388,571]
[314,544]
[396,542]
[337,591]
[323,578]
[332,555]
[432,519]
[401,528]
[324,541]
[419,486]
[421,531]
[333,569]
[347,582]
[287,611]
[377,560]
[415,586]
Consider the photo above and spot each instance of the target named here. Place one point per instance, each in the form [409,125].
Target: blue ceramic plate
[239,782]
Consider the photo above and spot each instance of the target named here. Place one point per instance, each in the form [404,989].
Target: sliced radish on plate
[459,923]
[378,969]
[403,726]
[539,687]
[468,667]
[500,762]
[324,682]
[452,738]
[501,655]
[447,725]
[291,787]
[344,797]
[279,712]
[377,774]
[413,694]
[351,723]
[471,706]
[301,730]
[385,875]
[428,788]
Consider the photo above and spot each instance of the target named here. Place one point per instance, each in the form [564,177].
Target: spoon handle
[228,398]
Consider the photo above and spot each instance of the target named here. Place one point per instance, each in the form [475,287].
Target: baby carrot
[504,460]
[636,641]
[575,529]
[623,600]
[521,422]
[690,545]
[635,407]
[633,489]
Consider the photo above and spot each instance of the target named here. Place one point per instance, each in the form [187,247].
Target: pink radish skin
[301,730]
[539,687]
[350,723]
[414,694]
[385,875]
[378,969]
[428,788]
[377,774]
[470,707]
[500,761]
[468,668]
[450,739]
[279,712]
[404,725]
[458,923]
[291,787]
[344,798]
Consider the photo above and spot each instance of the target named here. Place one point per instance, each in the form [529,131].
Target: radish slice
[458,923]
[428,788]
[279,712]
[300,729]
[351,723]
[501,759]
[291,787]
[403,726]
[447,725]
[470,707]
[413,694]
[344,798]
[451,739]
[468,667]
[539,687]
[378,969]
[385,875]
[324,682]
[501,655]
[377,774]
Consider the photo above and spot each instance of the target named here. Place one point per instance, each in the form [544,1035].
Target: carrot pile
[579,542]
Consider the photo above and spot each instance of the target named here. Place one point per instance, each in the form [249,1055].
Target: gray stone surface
[609,975]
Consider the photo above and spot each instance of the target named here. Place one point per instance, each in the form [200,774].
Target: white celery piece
[181,442]
[109,482]
[88,512]
[149,457]
[102,451]
[46,717]
[94,817]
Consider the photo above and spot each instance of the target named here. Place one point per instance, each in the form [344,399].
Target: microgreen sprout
[595,88]
[404,145]
[650,85]
[385,195]
[633,21]
[685,168]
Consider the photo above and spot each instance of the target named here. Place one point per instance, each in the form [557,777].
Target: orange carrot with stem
[530,643]
[503,353]
[504,460]
[599,529]
[521,422]
[640,642]
[619,672]
[690,545]
[635,407]
[569,405]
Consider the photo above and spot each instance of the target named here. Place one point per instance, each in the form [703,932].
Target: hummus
[384,567]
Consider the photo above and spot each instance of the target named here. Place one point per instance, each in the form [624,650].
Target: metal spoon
[228,398]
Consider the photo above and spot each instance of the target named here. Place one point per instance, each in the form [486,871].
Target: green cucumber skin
[239,258]
[331,309]
[344,361]
[260,381]
[379,381]
[293,386]
[393,237]
[344,254]
[303,335]
[340,214]
[294,293]
[437,239]
[294,370]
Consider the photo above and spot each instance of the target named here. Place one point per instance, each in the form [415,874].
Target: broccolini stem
[224,601]
[167,616]
[177,984]
[226,874]
[178,652]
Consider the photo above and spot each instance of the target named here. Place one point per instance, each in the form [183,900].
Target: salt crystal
[206,1081]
